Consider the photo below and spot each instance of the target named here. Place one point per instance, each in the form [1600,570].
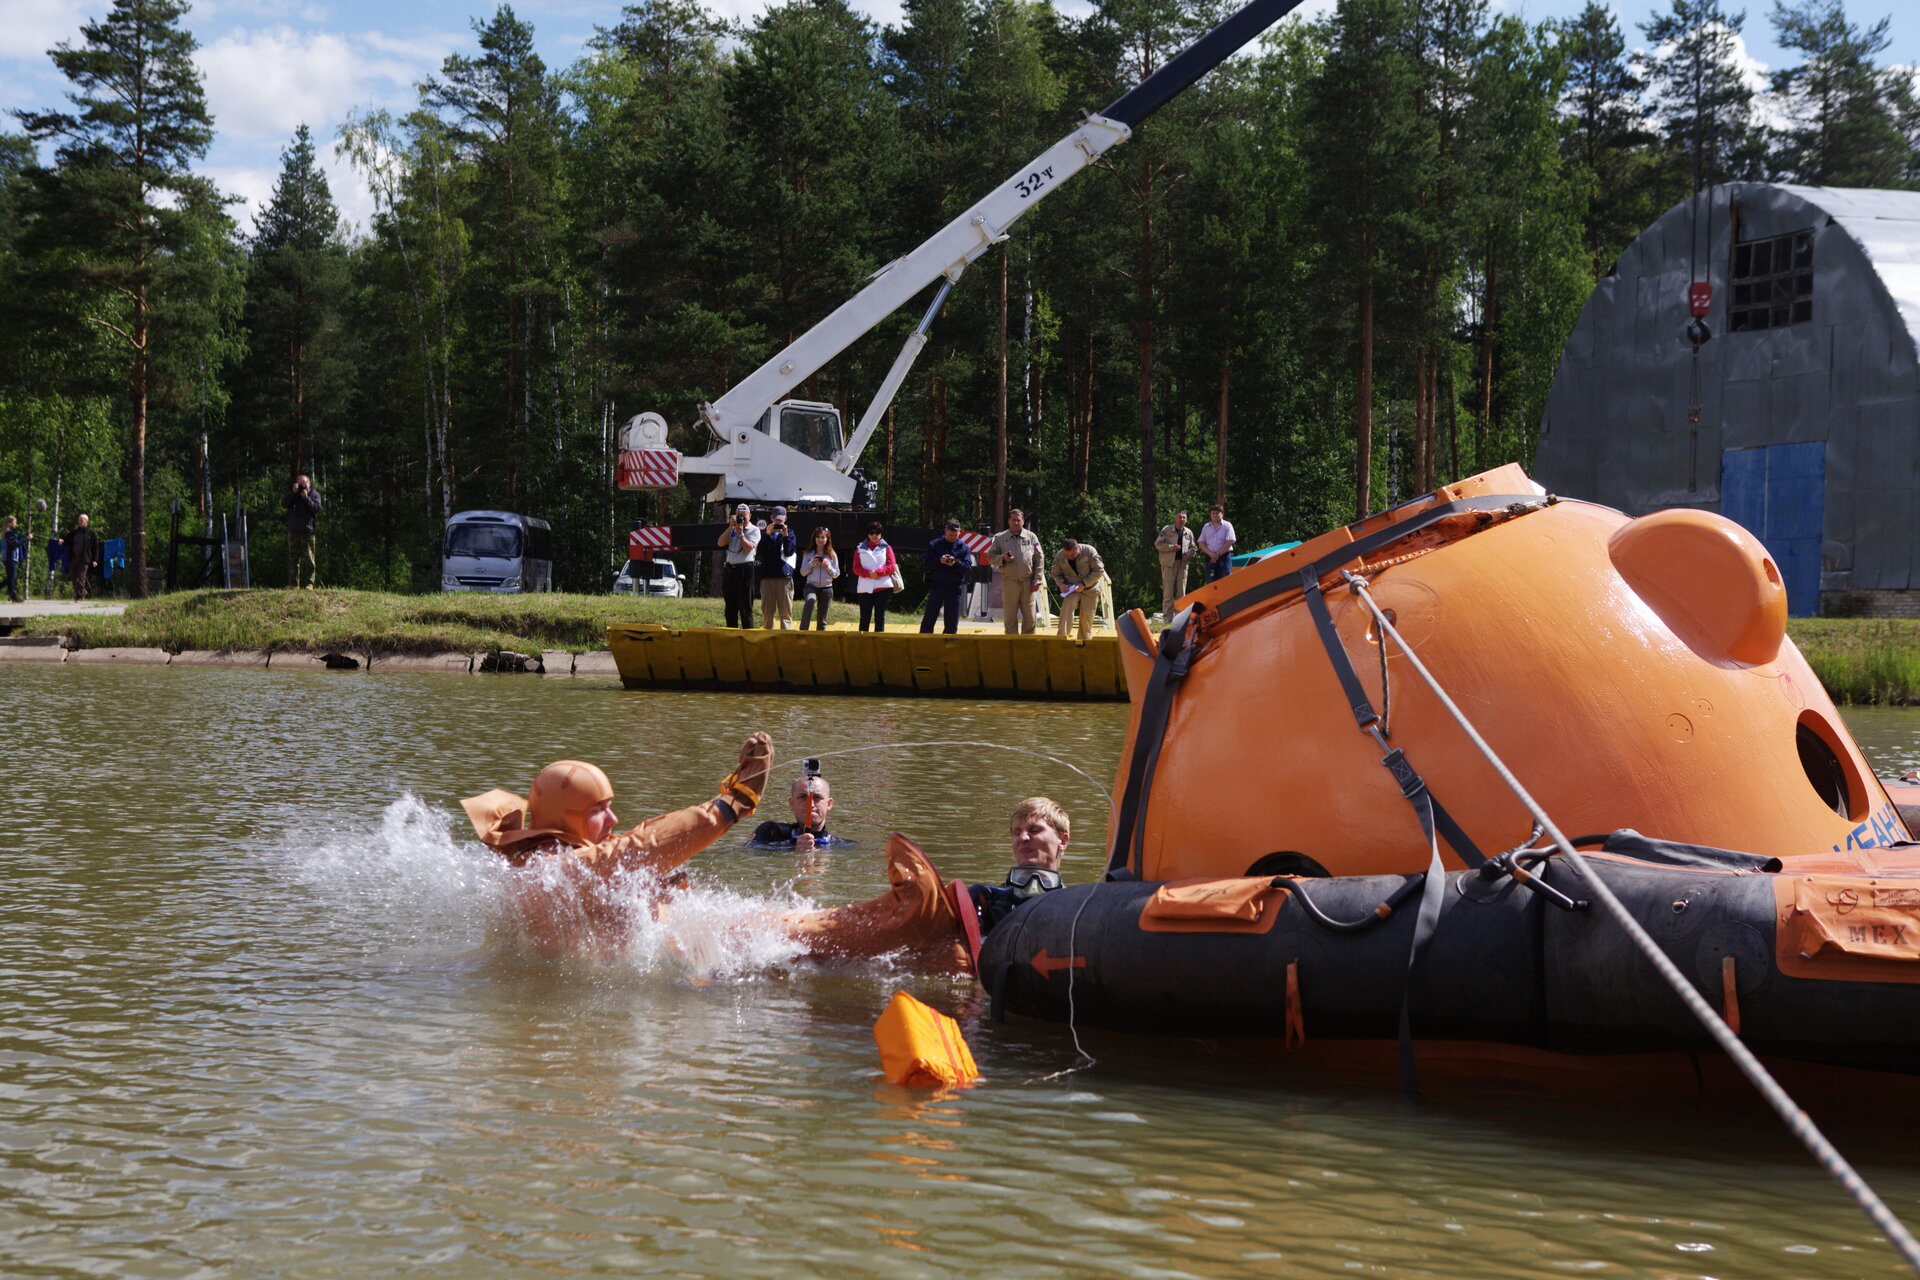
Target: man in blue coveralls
[948,561]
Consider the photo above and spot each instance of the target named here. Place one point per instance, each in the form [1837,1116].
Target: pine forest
[1336,272]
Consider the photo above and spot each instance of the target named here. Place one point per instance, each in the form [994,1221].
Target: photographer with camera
[303,513]
[774,566]
[741,538]
[810,800]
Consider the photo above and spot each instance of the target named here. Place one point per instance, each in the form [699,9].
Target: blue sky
[271,65]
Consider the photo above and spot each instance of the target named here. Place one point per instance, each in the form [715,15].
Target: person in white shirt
[874,568]
[1216,543]
[741,538]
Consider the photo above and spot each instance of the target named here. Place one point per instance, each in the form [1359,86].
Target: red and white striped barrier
[648,469]
[642,543]
[976,542]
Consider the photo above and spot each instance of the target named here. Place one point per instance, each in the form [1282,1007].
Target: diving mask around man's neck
[1031,882]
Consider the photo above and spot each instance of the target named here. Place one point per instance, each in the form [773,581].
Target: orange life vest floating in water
[1632,673]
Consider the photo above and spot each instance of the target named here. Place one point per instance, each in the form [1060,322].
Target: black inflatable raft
[1818,966]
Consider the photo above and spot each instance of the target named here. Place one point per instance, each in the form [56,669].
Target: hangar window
[1772,282]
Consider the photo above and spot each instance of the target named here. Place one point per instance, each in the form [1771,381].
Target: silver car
[655,577]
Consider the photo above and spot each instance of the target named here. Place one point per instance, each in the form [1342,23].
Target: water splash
[411,878]
[408,875]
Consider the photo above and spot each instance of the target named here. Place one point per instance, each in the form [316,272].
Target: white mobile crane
[773,449]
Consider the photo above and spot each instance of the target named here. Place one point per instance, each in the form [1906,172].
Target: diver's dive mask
[1031,882]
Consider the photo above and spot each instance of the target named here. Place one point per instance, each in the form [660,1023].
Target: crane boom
[945,253]
[764,467]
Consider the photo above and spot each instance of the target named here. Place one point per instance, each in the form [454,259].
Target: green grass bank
[1859,660]
[343,621]
[1863,661]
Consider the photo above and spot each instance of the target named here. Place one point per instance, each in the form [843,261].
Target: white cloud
[251,184]
[254,185]
[350,192]
[262,85]
[426,51]
[1752,70]
[281,10]
[31,27]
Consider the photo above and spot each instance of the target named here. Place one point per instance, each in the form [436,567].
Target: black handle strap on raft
[1426,919]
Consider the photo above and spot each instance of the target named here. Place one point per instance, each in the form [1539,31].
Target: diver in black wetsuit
[1040,831]
[811,800]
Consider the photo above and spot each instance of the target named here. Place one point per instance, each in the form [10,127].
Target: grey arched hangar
[1791,405]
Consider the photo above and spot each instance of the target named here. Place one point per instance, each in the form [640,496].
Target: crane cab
[807,426]
[791,453]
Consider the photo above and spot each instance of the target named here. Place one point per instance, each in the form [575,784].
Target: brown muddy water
[254,1021]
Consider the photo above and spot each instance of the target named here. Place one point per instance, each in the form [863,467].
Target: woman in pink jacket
[874,566]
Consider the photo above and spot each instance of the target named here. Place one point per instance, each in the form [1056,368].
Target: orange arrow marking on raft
[1045,965]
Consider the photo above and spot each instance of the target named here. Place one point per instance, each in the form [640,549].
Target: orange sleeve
[661,844]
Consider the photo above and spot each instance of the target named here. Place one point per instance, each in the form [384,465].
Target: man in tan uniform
[1077,572]
[1176,547]
[1018,560]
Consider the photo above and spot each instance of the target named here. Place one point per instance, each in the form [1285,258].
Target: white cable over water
[1796,1119]
[997,746]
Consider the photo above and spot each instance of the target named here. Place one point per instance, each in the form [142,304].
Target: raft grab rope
[1798,1122]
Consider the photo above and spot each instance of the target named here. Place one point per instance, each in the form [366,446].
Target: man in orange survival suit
[562,834]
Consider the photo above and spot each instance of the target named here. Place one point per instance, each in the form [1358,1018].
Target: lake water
[255,1021]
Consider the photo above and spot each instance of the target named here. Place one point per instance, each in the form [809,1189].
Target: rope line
[998,746]
[1073,933]
[1790,1112]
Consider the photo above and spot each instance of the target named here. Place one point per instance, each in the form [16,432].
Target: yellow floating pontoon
[656,657]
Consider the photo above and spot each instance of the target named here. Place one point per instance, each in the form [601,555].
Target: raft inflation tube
[1503,965]
[1304,843]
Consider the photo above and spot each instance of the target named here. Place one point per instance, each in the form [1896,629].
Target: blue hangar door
[1778,493]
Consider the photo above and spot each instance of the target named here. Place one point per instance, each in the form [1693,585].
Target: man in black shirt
[83,557]
[303,514]
[811,800]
